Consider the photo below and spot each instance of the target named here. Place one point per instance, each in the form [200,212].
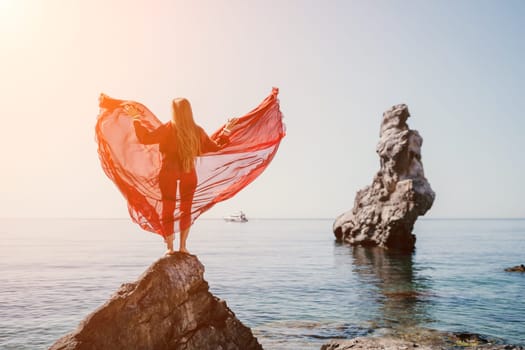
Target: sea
[287,279]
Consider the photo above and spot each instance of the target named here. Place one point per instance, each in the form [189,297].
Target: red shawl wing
[134,167]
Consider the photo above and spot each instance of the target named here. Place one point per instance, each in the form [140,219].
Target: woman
[153,163]
[180,141]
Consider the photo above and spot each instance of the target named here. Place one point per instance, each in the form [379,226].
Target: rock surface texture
[373,343]
[168,308]
[388,343]
[384,213]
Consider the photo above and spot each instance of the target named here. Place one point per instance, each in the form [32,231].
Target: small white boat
[237,217]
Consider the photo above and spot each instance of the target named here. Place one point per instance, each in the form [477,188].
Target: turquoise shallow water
[287,279]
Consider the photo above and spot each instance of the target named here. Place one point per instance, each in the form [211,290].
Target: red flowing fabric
[134,167]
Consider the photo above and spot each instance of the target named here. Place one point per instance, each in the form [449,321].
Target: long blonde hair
[188,133]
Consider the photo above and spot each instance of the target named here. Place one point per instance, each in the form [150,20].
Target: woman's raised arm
[143,134]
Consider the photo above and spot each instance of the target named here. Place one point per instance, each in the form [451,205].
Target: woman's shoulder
[167,127]
[201,130]
[165,130]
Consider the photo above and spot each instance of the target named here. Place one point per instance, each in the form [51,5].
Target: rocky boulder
[427,340]
[168,308]
[384,213]
[379,343]
[517,268]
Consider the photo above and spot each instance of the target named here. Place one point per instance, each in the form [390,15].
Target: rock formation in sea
[428,340]
[517,268]
[448,342]
[378,343]
[384,213]
[168,308]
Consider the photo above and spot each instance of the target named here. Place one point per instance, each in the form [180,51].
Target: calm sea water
[286,279]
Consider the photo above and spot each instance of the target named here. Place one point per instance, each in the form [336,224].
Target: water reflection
[401,290]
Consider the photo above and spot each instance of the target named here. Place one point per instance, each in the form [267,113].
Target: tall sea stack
[384,213]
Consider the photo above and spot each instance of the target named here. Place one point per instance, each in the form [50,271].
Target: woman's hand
[223,138]
[101,99]
[231,123]
[132,111]
[229,126]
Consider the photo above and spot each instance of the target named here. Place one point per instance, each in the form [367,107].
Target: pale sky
[459,65]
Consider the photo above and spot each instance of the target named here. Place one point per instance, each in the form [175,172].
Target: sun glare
[6,7]
[12,17]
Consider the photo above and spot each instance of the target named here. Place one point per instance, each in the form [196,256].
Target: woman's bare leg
[188,184]
[168,189]
[183,237]
[169,244]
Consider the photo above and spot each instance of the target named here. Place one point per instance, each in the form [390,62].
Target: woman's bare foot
[169,252]
[184,250]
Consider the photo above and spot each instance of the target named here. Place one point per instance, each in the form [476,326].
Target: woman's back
[167,136]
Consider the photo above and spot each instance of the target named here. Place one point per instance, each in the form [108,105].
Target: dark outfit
[172,172]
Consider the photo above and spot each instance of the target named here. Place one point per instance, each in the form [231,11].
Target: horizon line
[252,218]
